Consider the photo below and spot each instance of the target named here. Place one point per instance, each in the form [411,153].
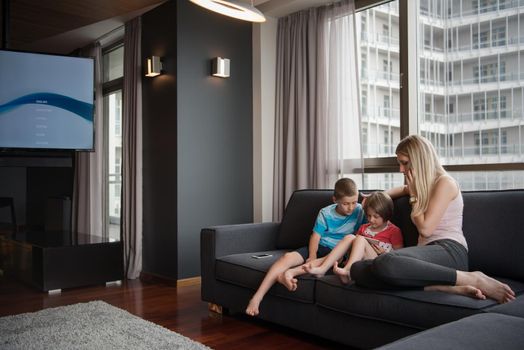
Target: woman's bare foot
[252,307]
[489,286]
[315,271]
[288,280]
[343,274]
[468,291]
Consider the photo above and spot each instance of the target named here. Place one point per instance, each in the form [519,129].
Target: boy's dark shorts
[321,252]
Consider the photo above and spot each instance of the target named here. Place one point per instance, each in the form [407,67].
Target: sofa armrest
[235,239]
[224,240]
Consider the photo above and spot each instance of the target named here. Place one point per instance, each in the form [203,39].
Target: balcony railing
[381,112]
[455,13]
[376,38]
[378,149]
[379,75]
[487,44]
[459,118]
[484,150]
[493,78]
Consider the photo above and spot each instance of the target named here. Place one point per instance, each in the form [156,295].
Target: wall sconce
[154,66]
[220,67]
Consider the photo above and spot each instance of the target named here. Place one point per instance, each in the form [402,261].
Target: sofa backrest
[493,225]
[300,215]
[304,205]
[494,229]
[402,218]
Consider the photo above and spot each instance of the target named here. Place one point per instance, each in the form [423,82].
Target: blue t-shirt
[332,227]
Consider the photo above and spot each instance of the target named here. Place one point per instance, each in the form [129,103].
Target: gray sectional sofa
[363,318]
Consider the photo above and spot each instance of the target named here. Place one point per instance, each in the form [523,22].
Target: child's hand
[377,249]
[311,258]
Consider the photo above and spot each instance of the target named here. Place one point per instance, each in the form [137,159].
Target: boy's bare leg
[336,254]
[287,278]
[488,286]
[288,260]
[360,249]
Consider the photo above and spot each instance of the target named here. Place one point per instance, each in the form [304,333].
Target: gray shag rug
[94,325]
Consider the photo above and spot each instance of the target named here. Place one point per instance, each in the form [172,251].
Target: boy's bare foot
[492,288]
[288,280]
[341,273]
[468,291]
[315,271]
[252,307]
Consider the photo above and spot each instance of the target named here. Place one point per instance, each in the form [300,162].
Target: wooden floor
[177,308]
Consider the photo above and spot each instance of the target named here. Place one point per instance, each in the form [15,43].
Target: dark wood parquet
[177,308]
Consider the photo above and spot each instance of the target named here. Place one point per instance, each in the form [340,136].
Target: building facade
[470,80]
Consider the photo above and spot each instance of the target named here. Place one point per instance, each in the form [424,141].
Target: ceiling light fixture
[233,8]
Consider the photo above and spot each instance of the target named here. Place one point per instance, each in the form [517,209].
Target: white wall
[264,68]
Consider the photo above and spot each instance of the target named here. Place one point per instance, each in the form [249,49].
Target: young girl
[376,237]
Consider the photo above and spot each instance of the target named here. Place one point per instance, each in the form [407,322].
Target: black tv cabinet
[56,260]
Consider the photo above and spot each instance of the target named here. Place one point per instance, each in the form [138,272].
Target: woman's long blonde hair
[426,165]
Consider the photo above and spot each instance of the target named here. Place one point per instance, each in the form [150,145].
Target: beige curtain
[88,207]
[132,151]
[317,111]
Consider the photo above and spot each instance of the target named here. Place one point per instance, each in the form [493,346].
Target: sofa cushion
[299,217]
[407,307]
[245,271]
[484,331]
[493,226]
[514,308]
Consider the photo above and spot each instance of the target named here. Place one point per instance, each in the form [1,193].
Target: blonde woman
[440,259]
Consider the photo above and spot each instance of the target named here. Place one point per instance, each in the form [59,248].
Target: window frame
[108,88]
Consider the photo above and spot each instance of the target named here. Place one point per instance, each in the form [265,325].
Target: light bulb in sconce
[220,67]
[154,66]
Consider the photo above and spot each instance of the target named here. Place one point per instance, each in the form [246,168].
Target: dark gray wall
[197,134]
[215,164]
[159,98]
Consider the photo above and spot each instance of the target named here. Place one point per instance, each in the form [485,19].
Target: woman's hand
[364,197]
[410,182]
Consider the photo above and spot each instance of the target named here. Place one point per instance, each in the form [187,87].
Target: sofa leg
[215,308]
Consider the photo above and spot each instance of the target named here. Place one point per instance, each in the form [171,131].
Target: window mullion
[408,68]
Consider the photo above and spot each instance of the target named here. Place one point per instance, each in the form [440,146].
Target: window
[364,104]
[471,111]
[113,63]
[468,80]
[380,81]
[387,106]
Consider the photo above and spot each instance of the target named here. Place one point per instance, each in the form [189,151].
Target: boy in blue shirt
[333,223]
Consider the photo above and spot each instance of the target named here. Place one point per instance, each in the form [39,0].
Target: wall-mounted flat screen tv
[46,101]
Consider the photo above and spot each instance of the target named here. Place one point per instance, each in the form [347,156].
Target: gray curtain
[88,205]
[315,93]
[132,151]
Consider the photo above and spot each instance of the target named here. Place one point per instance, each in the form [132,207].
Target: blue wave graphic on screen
[83,109]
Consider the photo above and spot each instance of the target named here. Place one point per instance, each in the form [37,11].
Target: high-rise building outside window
[469,85]
[485,62]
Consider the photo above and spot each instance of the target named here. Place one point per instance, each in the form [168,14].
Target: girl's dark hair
[380,202]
